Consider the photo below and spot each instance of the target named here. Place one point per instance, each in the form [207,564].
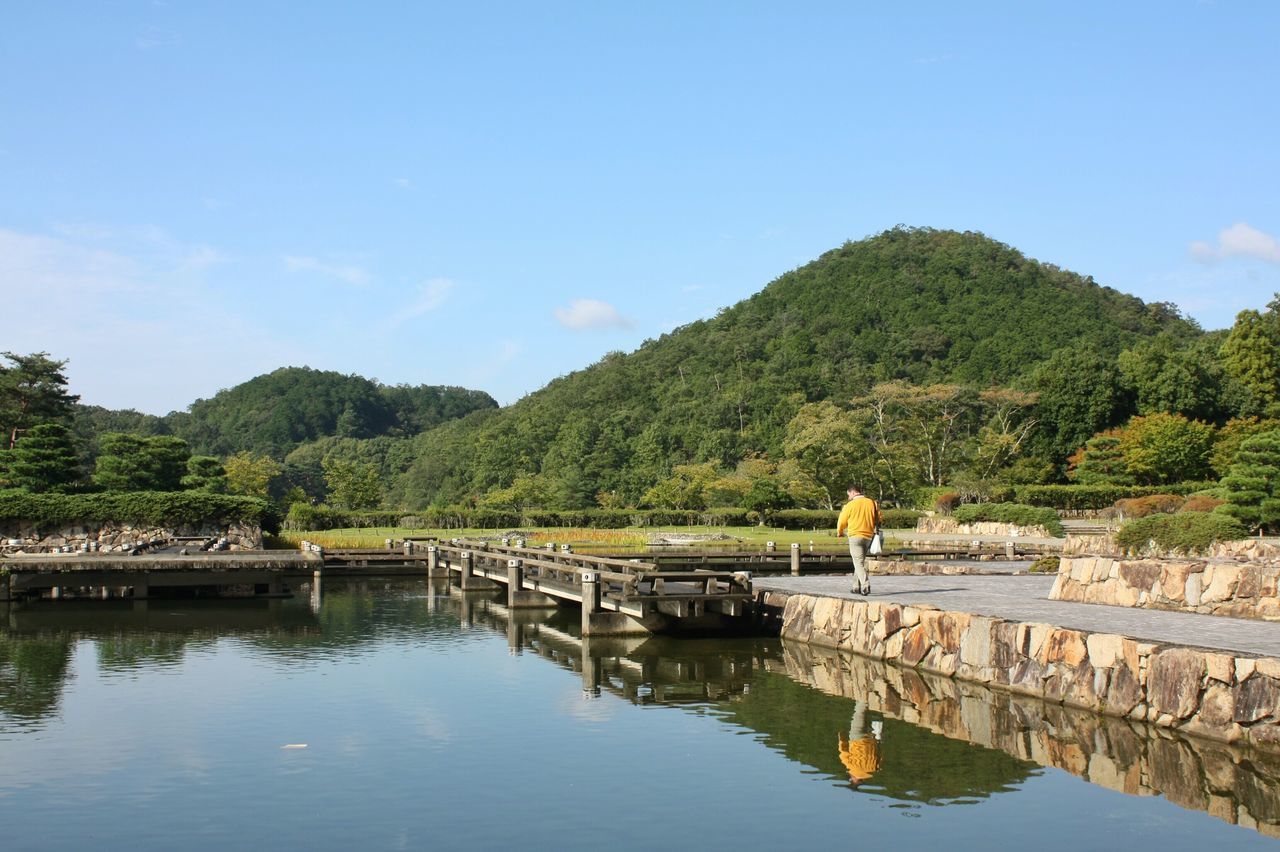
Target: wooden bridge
[617,596]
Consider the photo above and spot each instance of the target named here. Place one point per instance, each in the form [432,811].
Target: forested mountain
[918,305]
[274,413]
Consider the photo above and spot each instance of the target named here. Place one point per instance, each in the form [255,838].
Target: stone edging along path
[1219,695]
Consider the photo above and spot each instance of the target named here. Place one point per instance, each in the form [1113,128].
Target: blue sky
[495,194]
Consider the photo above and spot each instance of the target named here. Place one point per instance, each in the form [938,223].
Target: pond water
[398,715]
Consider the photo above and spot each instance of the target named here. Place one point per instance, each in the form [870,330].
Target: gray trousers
[858,550]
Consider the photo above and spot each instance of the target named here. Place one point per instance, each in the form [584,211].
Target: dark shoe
[866,590]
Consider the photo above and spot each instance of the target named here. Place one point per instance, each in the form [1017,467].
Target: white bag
[877,544]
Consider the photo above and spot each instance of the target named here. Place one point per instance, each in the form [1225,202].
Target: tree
[32,390]
[1166,377]
[251,474]
[1100,462]
[928,425]
[133,463]
[1232,434]
[1251,356]
[686,488]
[352,485]
[1252,484]
[1079,395]
[827,445]
[1162,448]
[44,459]
[205,473]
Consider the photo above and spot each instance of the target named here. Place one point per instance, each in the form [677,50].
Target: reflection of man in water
[859,750]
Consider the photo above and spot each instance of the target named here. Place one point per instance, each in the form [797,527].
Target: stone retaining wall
[1210,586]
[1249,549]
[120,538]
[950,526]
[1215,695]
[1117,754]
[918,567]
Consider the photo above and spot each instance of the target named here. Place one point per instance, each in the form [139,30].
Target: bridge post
[390,543]
[317,590]
[590,599]
[770,546]
[465,573]
[408,548]
[515,581]
[433,563]
[795,559]
[1010,550]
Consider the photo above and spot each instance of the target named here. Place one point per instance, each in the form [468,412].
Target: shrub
[1188,532]
[162,508]
[1011,513]
[1044,565]
[1077,497]
[1154,504]
[1201,503]
[946,503]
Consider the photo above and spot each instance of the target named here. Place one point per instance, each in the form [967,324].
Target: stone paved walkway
[1025,598]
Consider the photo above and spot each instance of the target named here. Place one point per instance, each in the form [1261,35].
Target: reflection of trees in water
[32,672]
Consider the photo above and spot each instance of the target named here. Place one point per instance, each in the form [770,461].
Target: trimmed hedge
[1010,513]
[161,508]
[1186,532]
[306,517]
[809,519]
[1076,497]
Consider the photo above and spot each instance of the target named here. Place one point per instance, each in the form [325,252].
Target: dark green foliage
[205,473]
[1252,484]
[33,390]
[1187,532]
[1169,375]
[919,305]
[135,463]
[145,507]
[91,422]
[1251,356]
[1087,497]
[274,413]
[1011,513]
[44,459]
[1079,395]
[1045,565]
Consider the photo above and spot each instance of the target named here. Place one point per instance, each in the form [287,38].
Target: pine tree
[1101,462]
[44,459]
[1252,485]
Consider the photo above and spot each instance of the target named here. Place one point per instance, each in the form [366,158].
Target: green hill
[275,413]
[919,305]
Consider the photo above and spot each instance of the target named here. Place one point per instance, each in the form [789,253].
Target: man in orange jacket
[861,517]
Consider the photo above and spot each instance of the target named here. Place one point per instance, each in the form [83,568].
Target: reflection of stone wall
[1213,586]
[119,538]
[950,526]
[1214,695]
[1114,753]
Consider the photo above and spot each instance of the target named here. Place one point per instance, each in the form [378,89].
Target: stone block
[1173,681]
[1267,667]
[1191,591]
[1140,575]
[1245,667]
[1222,585]
[1105,649]
[1220,667]
[1256,699]
[1064,646]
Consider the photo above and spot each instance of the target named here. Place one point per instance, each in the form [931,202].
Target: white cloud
[139,326]
[343,272]
[431,295]
[584,314]
[1240,240]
